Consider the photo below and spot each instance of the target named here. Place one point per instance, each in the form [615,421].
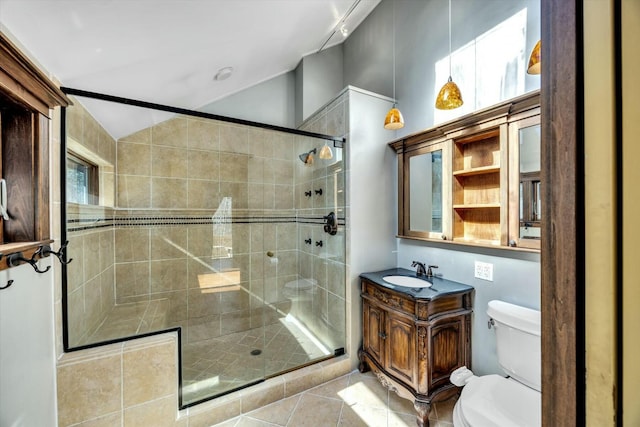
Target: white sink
[409,282]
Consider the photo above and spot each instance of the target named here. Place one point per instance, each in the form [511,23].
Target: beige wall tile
[169,193]
[200,239]
[169,162]
[132,244]
[75,270]
[177,310]
[168,275]
[149,373]
[134,191]
[168,243]
[134,159]
[107,256]
[88,390]
[171,133]
[141,137]
[234,139]
[108,288]
[203,134]
[237,191]
[202,303]
[204,164]
[132,279]
[203,194]
[91,255]
[234,167]
[157,413]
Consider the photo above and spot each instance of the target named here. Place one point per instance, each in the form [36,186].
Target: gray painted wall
[272,102]
[422,39]
[322,79]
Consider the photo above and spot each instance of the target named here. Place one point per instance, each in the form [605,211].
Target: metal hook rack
[61,254]
[18,258]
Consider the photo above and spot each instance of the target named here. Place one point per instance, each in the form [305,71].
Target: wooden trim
[562,257]
[25,82]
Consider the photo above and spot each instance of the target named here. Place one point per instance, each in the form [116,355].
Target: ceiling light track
[340,25]
[338,141]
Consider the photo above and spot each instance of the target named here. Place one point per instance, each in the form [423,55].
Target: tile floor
[352,400]
[228,362]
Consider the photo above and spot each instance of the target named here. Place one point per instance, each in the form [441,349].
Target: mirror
[530,208]
[425,192]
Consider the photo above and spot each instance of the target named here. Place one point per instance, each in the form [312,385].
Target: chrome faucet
[420,270]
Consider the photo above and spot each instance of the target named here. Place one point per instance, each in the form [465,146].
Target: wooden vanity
[414,338]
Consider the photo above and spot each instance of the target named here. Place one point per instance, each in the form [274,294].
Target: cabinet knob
[382,335]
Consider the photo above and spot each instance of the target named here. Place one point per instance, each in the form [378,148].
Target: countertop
[440,287]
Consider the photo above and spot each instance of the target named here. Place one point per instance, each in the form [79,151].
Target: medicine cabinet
[26,97]
[474,180]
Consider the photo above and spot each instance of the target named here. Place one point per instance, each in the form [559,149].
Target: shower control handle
[331,224]
[319,243]
[308,241]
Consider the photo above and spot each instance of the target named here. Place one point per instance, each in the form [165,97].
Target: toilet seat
[495,401]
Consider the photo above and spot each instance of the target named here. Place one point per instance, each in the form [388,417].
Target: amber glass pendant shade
[449,96]
[534,60]
[394,119]
[325,152]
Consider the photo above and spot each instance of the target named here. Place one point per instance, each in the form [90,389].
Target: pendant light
[394,119]
[325,152]
[449,96]
[534,60]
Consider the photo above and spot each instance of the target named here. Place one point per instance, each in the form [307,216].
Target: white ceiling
[168,51]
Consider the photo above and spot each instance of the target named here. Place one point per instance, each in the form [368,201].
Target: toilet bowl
[497,401]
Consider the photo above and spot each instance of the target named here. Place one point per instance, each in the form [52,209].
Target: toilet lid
[492,400]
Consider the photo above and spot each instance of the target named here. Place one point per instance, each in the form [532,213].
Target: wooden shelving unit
[477,193]
[481,177]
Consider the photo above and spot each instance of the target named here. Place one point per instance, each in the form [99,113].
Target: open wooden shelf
[478,206]
[477,188]
[477,171]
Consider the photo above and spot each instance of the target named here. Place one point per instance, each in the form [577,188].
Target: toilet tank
[517,341]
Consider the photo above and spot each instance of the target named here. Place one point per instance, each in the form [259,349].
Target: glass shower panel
[213,227]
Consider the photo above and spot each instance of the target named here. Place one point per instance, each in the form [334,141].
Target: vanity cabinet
[474,194]
[413,344]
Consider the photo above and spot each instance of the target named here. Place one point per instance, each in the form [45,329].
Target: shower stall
[229,231]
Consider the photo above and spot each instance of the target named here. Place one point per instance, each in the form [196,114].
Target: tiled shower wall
[171,178]
[90,284]
[110,382]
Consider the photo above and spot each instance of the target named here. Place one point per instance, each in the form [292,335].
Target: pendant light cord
[449,39]
[393,38]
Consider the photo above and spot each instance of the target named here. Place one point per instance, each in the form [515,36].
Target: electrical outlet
[484,271]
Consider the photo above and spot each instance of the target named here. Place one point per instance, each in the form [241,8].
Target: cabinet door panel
[373,339]
[447,341]
[401,348]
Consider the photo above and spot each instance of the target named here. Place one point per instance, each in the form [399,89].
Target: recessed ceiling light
[344,30]
[223,73]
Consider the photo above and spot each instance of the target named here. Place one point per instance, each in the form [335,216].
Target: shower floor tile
[221,364]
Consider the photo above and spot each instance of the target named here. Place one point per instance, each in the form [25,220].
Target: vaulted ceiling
[168,51]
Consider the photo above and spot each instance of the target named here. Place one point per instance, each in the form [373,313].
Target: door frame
[563,245]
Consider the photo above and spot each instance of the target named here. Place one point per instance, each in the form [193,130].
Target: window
[83,180]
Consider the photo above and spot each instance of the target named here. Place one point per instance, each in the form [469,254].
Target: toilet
[496,401]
